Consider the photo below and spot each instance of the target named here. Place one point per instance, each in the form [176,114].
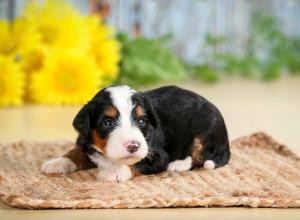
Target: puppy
[126,133]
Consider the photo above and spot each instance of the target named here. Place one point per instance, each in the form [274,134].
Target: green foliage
[146,61]
[268,53]
[271,71]
[281,53]
[215,41]
[205,73]
[208,70]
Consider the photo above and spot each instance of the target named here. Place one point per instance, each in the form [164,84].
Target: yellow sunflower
[66,78]
[58,23]
[104,48]
[11,82]
[32,60]
[17,37]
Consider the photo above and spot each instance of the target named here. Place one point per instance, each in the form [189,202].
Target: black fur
[91,117]
[174,118]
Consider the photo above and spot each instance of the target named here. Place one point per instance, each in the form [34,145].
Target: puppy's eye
[109,123]
[142,122]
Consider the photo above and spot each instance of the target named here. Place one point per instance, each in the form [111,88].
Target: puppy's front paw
[180,165]
[115,174]
[59,165]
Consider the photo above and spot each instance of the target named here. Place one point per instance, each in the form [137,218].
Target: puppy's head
[117,121]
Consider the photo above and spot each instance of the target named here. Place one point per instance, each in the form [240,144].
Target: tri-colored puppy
[127,133]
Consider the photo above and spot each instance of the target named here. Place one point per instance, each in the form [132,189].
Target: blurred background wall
[189,22]
[239,43]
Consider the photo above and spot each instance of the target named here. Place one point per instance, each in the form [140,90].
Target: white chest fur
[109,170]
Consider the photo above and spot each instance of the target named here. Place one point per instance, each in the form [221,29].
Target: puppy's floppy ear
[82,121]
[150,111]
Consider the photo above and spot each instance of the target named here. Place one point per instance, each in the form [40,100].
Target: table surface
[247,106]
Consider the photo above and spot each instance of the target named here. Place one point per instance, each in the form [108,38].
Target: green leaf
[271,71]
[146,61]
[205,73]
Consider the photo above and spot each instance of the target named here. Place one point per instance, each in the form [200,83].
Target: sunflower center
[66,81]
[10,47]
[34,61]
[49,34]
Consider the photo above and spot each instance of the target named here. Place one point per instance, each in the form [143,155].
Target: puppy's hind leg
[211,151]
[216,152]
[74,160]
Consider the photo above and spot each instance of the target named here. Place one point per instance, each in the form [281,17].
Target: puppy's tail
[218,158]
[209,165]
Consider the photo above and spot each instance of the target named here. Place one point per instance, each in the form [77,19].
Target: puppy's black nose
[133,146]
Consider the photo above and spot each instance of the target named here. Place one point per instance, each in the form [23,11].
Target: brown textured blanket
[261,173]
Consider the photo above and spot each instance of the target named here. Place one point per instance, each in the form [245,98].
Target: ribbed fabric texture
[261,173]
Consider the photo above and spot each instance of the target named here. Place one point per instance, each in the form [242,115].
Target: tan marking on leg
[134,171]
[197,149]
[140,111]
[111,112]
[99,142]
[78,157]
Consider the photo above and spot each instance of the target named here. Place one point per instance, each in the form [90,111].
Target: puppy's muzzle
[132,146]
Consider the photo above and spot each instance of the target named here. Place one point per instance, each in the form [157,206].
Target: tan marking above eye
[111,112]
[99,142]
[140,111]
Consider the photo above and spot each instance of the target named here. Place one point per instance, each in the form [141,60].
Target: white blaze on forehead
[125,131]
[121,98]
